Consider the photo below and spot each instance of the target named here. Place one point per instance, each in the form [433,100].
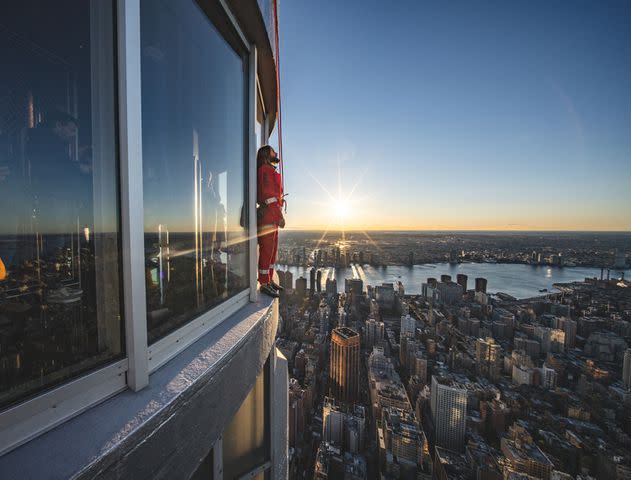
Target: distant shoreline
[526,232]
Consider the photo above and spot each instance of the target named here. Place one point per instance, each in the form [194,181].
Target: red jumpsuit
[270,198]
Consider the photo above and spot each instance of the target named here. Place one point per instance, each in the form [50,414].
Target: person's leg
[265,253]
[274,254]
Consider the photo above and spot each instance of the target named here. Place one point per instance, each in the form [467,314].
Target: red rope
[278,103]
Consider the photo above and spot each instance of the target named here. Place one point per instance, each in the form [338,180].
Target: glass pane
[59,264]
[193,107]
[246,440]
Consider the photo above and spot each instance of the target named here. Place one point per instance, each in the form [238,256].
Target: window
[194,153]
[60,309]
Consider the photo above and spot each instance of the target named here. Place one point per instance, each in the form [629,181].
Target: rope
[278,102]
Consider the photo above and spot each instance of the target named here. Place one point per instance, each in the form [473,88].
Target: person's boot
[276,286]
[268,290]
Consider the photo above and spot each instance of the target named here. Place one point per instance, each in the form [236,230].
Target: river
[520,281]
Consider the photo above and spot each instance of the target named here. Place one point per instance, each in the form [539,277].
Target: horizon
[448,230]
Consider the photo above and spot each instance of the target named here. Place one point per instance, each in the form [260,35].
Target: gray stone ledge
[168,428]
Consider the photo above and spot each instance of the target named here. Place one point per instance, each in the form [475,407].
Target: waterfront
[518,280]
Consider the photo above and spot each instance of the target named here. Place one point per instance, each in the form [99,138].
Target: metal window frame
[132,201]
[29,419]
[252,223]
[37,415]
[169,346]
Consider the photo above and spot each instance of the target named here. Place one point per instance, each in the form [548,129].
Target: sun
[341,208]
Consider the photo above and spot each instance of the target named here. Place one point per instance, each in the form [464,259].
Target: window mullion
[252,227]
[131,186]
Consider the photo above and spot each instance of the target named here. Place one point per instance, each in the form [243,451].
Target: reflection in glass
[59,288]
[193,109]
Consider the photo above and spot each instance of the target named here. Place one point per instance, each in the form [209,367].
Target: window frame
[48,409]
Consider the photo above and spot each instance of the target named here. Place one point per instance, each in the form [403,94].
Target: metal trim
[255,471]
[132,208]
[252,227]
[29,419]
[168,347]
[235,24]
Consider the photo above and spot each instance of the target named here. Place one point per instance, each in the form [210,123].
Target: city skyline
[419,116]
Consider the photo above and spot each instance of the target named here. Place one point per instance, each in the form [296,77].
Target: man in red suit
[269,216]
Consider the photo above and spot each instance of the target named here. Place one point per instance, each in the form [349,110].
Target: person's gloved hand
[281,222]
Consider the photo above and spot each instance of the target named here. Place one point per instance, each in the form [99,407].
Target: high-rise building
[301,287]
[281,277]
[450,292]
[323,314]
[548,377]
[488,355]
[374,333]
[402,437]
[289,280]
[568,326]
[626,369]
[331,286]
[344,425]
[480,284]
[312,280]
[344,365]
[523,375]
[461,279]
[408,326]
[354,285]
[449,411]
[445,278]
[319,281]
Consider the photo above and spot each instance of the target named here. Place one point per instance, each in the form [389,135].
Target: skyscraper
[449,410]
[344,365]
[331,286]
[480,284]
[301,287]
[312,280]
[626,369]
[319,281]
[374,332]
[289,280]
[354,285]
[461,279]
[450,292]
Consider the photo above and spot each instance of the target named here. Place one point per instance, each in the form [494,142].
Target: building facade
[344,365]
[128,235]
[449,411]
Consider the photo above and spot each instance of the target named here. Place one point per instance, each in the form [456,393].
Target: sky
[457,115]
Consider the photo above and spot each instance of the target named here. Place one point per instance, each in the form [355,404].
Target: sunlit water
[520,281]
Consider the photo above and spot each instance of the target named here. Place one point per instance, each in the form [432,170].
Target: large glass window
[60,311]
[194,134]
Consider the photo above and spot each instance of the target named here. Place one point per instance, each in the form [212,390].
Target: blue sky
[481,115]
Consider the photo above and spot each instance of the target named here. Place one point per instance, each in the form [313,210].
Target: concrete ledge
[168,428]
